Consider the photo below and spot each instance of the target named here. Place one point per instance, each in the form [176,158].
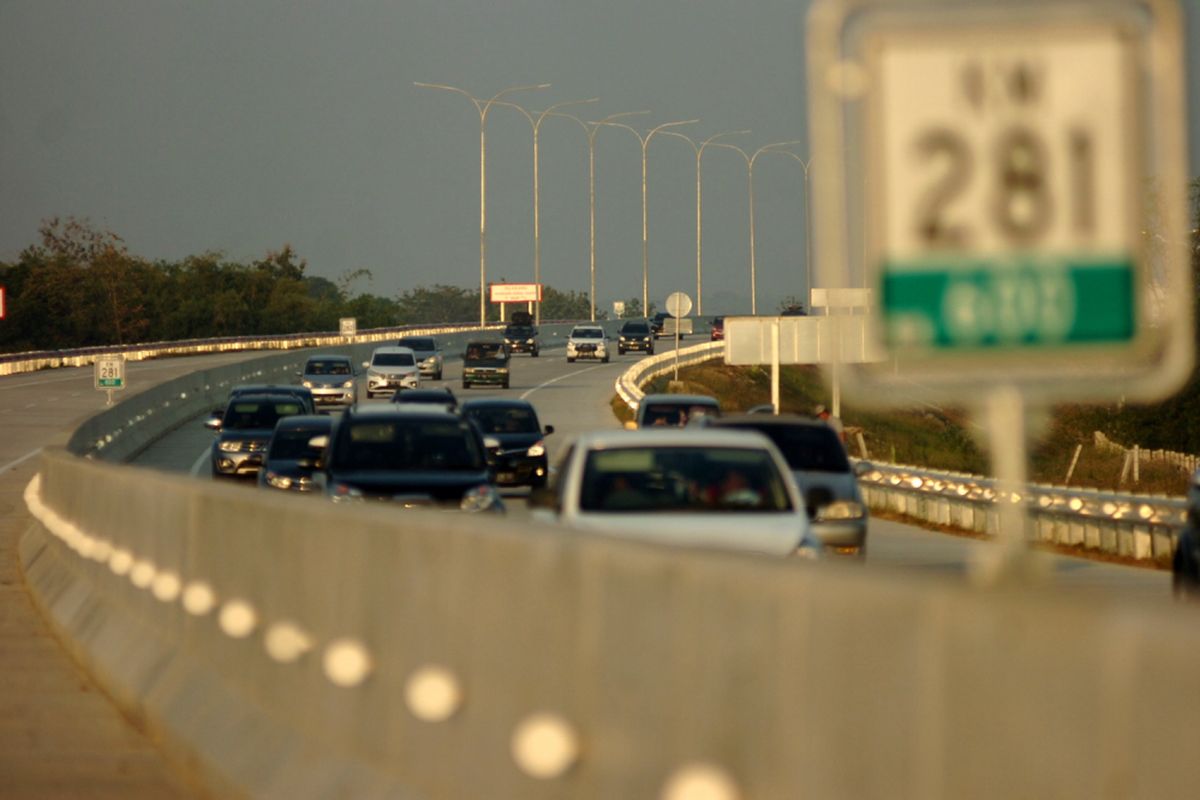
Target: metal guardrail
[629,384]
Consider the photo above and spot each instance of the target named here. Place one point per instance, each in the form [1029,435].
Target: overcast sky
[241,125]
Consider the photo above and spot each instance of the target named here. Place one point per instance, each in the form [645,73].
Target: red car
[717,328]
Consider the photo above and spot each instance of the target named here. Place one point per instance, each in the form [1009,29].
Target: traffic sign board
[109,372]
[348,326]
[678,304]
[1002,151]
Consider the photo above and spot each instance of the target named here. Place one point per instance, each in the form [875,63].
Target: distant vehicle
[587,341]
[657,322]
[635,334]
[244,430]
[290,459]
[409,454]
[522,338]
[1185,564]
[391,369]
[716,329]
[794,310]
[441,396]
[521,318]
[428,354]
[693,487]
[674,410]
[519,453]
[818,462]
[330,378]
[485,363]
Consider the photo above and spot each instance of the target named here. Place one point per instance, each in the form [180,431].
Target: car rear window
[682,479]
[327,367]
[675,414]
[292,443]
[504,420]
[635,327]
[808,448]
[253,415]
[587,333]
[480,352]
[394,360]
[400,445]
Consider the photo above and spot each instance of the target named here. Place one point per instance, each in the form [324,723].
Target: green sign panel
[1014,303]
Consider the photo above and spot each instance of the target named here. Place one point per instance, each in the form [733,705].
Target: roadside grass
[944,439]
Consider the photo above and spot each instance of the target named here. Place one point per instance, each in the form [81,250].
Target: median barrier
[290,647]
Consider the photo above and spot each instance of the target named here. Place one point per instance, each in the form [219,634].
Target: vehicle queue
[679,476]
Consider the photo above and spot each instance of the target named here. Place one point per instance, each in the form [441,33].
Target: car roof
[392,349]
[680,400]
[401,410]
[494,402]
[328,357]
[416,339]
[763,420]
[270,388]
[492,342]
[263,397]
[587,328]
[299,421]
[671,437]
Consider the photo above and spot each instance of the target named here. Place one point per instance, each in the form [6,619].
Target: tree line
[79,286]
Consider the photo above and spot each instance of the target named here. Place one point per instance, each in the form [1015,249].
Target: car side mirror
[549,429]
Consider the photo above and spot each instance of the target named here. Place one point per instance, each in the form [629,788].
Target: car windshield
[587,333]
[256,415]
[682,479]
[482,352]
[327,367]
[505,420]
[674,414]
[635,327]
[393,360]
[292,443]
[807,448]
[409,445]
[418,344]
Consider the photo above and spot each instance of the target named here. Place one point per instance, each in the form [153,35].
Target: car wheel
[570,359]
[438,375]
[620,351]
[466,385]
[605,359]
[505,384]
[533,354]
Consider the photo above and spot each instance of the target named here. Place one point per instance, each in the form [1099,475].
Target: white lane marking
[20,460]
[561,377]
[32,405]
[199,463]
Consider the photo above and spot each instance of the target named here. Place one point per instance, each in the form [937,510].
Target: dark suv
[522,339]
[486,363]
[244,430]
[656,323]
[519,452]
[415,455]
[635,335]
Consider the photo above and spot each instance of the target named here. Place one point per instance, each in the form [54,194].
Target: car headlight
[306,384]
[278,481]
[537,449]
[483,497]
[230,446]
[529,341]
[348,385]
[503,370]
[842,509]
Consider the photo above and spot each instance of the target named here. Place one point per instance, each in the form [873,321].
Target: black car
[441,397]
[244,430]
[635,335]
[657,322]
[486,363]
[291,459]
[517,448]
[412,455]
[522,339]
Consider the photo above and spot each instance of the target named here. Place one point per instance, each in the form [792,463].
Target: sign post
[348,326]
[678,305]
[1000,151]
[109,374]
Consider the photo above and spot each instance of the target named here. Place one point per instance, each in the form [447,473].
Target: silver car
[819,465]
[587,341]
[391,369]
[330,378]
[727,490]
[428,355]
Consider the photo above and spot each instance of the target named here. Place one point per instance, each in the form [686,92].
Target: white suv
[390,370]
[587,341]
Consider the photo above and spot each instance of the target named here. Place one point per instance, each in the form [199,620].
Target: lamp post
[750,160]
[535,122]
[645,142]
[806,165]
[699,149]
[482,106]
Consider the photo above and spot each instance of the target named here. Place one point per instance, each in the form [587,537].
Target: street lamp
[482,106]
[645,142]
[750,159]
[536,124]
[699,149]
[805,164]
[591,129]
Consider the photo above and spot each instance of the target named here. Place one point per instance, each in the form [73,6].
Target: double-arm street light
[535,122]
[482,106]
[805,164]
[645,142]
[699,150]
[591,129]
[750,160]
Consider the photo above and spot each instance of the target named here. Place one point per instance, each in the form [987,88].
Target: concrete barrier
[293,648]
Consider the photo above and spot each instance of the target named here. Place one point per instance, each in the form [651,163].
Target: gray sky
[239,125]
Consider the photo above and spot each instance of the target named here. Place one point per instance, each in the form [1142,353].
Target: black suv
[635,335]
[486,363]
[518,453]
[522,338]
[414,455]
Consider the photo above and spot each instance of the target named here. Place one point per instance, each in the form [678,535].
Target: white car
[390,370]
[722,489]
[587,341]
[429,355]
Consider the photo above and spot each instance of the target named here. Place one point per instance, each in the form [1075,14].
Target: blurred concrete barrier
[293,648]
